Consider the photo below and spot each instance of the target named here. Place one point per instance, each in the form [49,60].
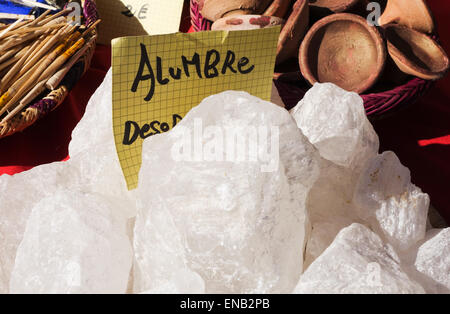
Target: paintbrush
[56,79]
[43,73]
[14,95]
[15,69]
[10,27]
[60,36]
[16,57]
[12,90]
[9,54]
[42,40]
[55,16]
[40,18]
[46,74]
[12,16]
[62,58]
[7,84]
[35,29]
[69,52]
[10,61]
[34,67]
[35,92]
[17,41]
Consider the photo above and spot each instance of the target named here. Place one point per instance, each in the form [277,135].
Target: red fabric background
[420,135]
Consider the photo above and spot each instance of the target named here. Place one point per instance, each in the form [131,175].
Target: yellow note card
[158,79]
[122,18]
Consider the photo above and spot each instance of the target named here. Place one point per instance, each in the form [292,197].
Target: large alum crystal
[390,203]
[73,243]
[206,225]
[433,261]
[93,152]
[93,168]
[15,209]
[335,122]
[96,125]
[357,262]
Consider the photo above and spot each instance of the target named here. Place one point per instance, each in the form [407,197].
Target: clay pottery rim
[416,53]
[216,9]
[374,67]
[334,5]
[279,8]
[415,14]
[293,31]
[246,22]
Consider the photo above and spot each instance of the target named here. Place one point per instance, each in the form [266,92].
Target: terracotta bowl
[414,14]
[334,5]
[279,8]
[343,49]
[293,31]
[416,53]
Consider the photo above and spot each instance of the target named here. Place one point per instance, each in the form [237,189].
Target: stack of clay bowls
[335,41]
[251,14]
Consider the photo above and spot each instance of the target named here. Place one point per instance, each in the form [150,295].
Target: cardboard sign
[122,18]
[158,79]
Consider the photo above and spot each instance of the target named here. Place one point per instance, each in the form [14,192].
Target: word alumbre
[211,68]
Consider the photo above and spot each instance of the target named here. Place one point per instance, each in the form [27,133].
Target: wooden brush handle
[62,59]
[279,8]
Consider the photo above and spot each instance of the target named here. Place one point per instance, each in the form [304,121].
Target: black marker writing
[214,65]
[133,130]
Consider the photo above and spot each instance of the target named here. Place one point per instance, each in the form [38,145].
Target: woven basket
[376,104]
[51,101]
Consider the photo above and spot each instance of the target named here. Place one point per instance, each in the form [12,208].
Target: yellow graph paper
[177,97]
[122,18]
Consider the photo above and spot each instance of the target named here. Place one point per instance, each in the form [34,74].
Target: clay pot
[334,5]
[414,14]
[343,49]
[293,32]
[279,8]
[246,22]
[415,53]
[216,9]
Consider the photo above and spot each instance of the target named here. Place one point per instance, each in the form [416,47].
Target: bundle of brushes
[35,57]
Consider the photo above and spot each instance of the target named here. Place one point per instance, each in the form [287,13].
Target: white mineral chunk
[433,260]
[98,171]
[96,125]
[322,235]
[18,195]
[330,207]
[216,225]
[335,122]
[93,151]
[332,194]
[387,199]
[93,168]
[73,243]
[357,262]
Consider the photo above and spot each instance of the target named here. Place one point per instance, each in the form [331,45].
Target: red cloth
[420,135]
